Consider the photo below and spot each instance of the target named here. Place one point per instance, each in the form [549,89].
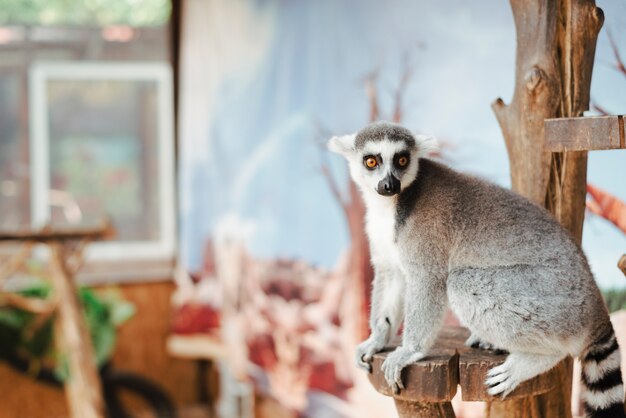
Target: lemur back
[507,269]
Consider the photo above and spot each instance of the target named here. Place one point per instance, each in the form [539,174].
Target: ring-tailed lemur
[508,270]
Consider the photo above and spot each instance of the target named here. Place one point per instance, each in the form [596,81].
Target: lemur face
[383,157]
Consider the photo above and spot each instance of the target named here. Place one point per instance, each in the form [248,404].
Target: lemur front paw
[395,362]
[501,380]
[365,352]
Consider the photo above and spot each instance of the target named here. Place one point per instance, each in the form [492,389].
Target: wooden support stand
[556,43]
[83,388]
[431,383]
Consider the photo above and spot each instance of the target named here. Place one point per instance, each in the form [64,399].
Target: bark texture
[83,389]
[556,43]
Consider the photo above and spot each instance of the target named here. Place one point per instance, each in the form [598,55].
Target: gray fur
[380,130]
[505,266]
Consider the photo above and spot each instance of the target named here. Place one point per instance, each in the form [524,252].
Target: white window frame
[40,74]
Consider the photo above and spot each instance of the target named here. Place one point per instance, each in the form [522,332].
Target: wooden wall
[140,349]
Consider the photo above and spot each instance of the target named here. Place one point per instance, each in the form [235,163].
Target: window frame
[39,74]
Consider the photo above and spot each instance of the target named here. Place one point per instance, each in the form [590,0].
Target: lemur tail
[603,390]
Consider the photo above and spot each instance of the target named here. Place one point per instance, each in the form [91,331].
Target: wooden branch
[42,318]
[32,305]
[15,262]
[83,389]
[47,234]
[75,258]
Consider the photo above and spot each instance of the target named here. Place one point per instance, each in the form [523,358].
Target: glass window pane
[14,193]
[103,154]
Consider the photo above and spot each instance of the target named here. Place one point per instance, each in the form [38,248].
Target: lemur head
[383,156]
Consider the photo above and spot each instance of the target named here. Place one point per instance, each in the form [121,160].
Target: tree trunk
[555,51]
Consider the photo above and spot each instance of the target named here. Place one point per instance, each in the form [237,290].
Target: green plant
[25,335]
[81,12]
[615,299]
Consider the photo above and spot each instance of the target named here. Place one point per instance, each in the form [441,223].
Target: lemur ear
[343,145]
[426,144]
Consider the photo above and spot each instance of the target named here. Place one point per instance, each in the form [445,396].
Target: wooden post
[579,24]
[410,409]
[83,390]
[556,42]
[430,384]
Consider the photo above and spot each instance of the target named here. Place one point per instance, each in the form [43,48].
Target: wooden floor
[186,412]
[194,412]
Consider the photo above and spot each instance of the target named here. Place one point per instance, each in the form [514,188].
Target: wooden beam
[102,231]
[584,133]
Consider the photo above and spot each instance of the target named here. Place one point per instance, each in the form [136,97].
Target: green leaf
[104,343]
[104,312]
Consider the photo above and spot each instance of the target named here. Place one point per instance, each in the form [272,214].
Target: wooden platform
[431,383]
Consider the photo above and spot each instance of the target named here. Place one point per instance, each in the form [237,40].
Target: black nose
[388,186]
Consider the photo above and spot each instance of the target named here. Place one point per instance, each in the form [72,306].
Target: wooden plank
[584,133]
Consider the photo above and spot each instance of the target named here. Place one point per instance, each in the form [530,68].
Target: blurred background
[237,284]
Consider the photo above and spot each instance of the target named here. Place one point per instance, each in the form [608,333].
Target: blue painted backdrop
[282,75]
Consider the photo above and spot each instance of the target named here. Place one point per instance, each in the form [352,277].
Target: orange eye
[370,162]
[403,161]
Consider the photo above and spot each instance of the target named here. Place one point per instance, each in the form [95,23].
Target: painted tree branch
[405,79]
[619,63]
[372,95]
[607,206]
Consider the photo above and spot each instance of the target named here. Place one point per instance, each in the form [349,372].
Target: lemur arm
[387,303]
[385,315]
[424,305]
